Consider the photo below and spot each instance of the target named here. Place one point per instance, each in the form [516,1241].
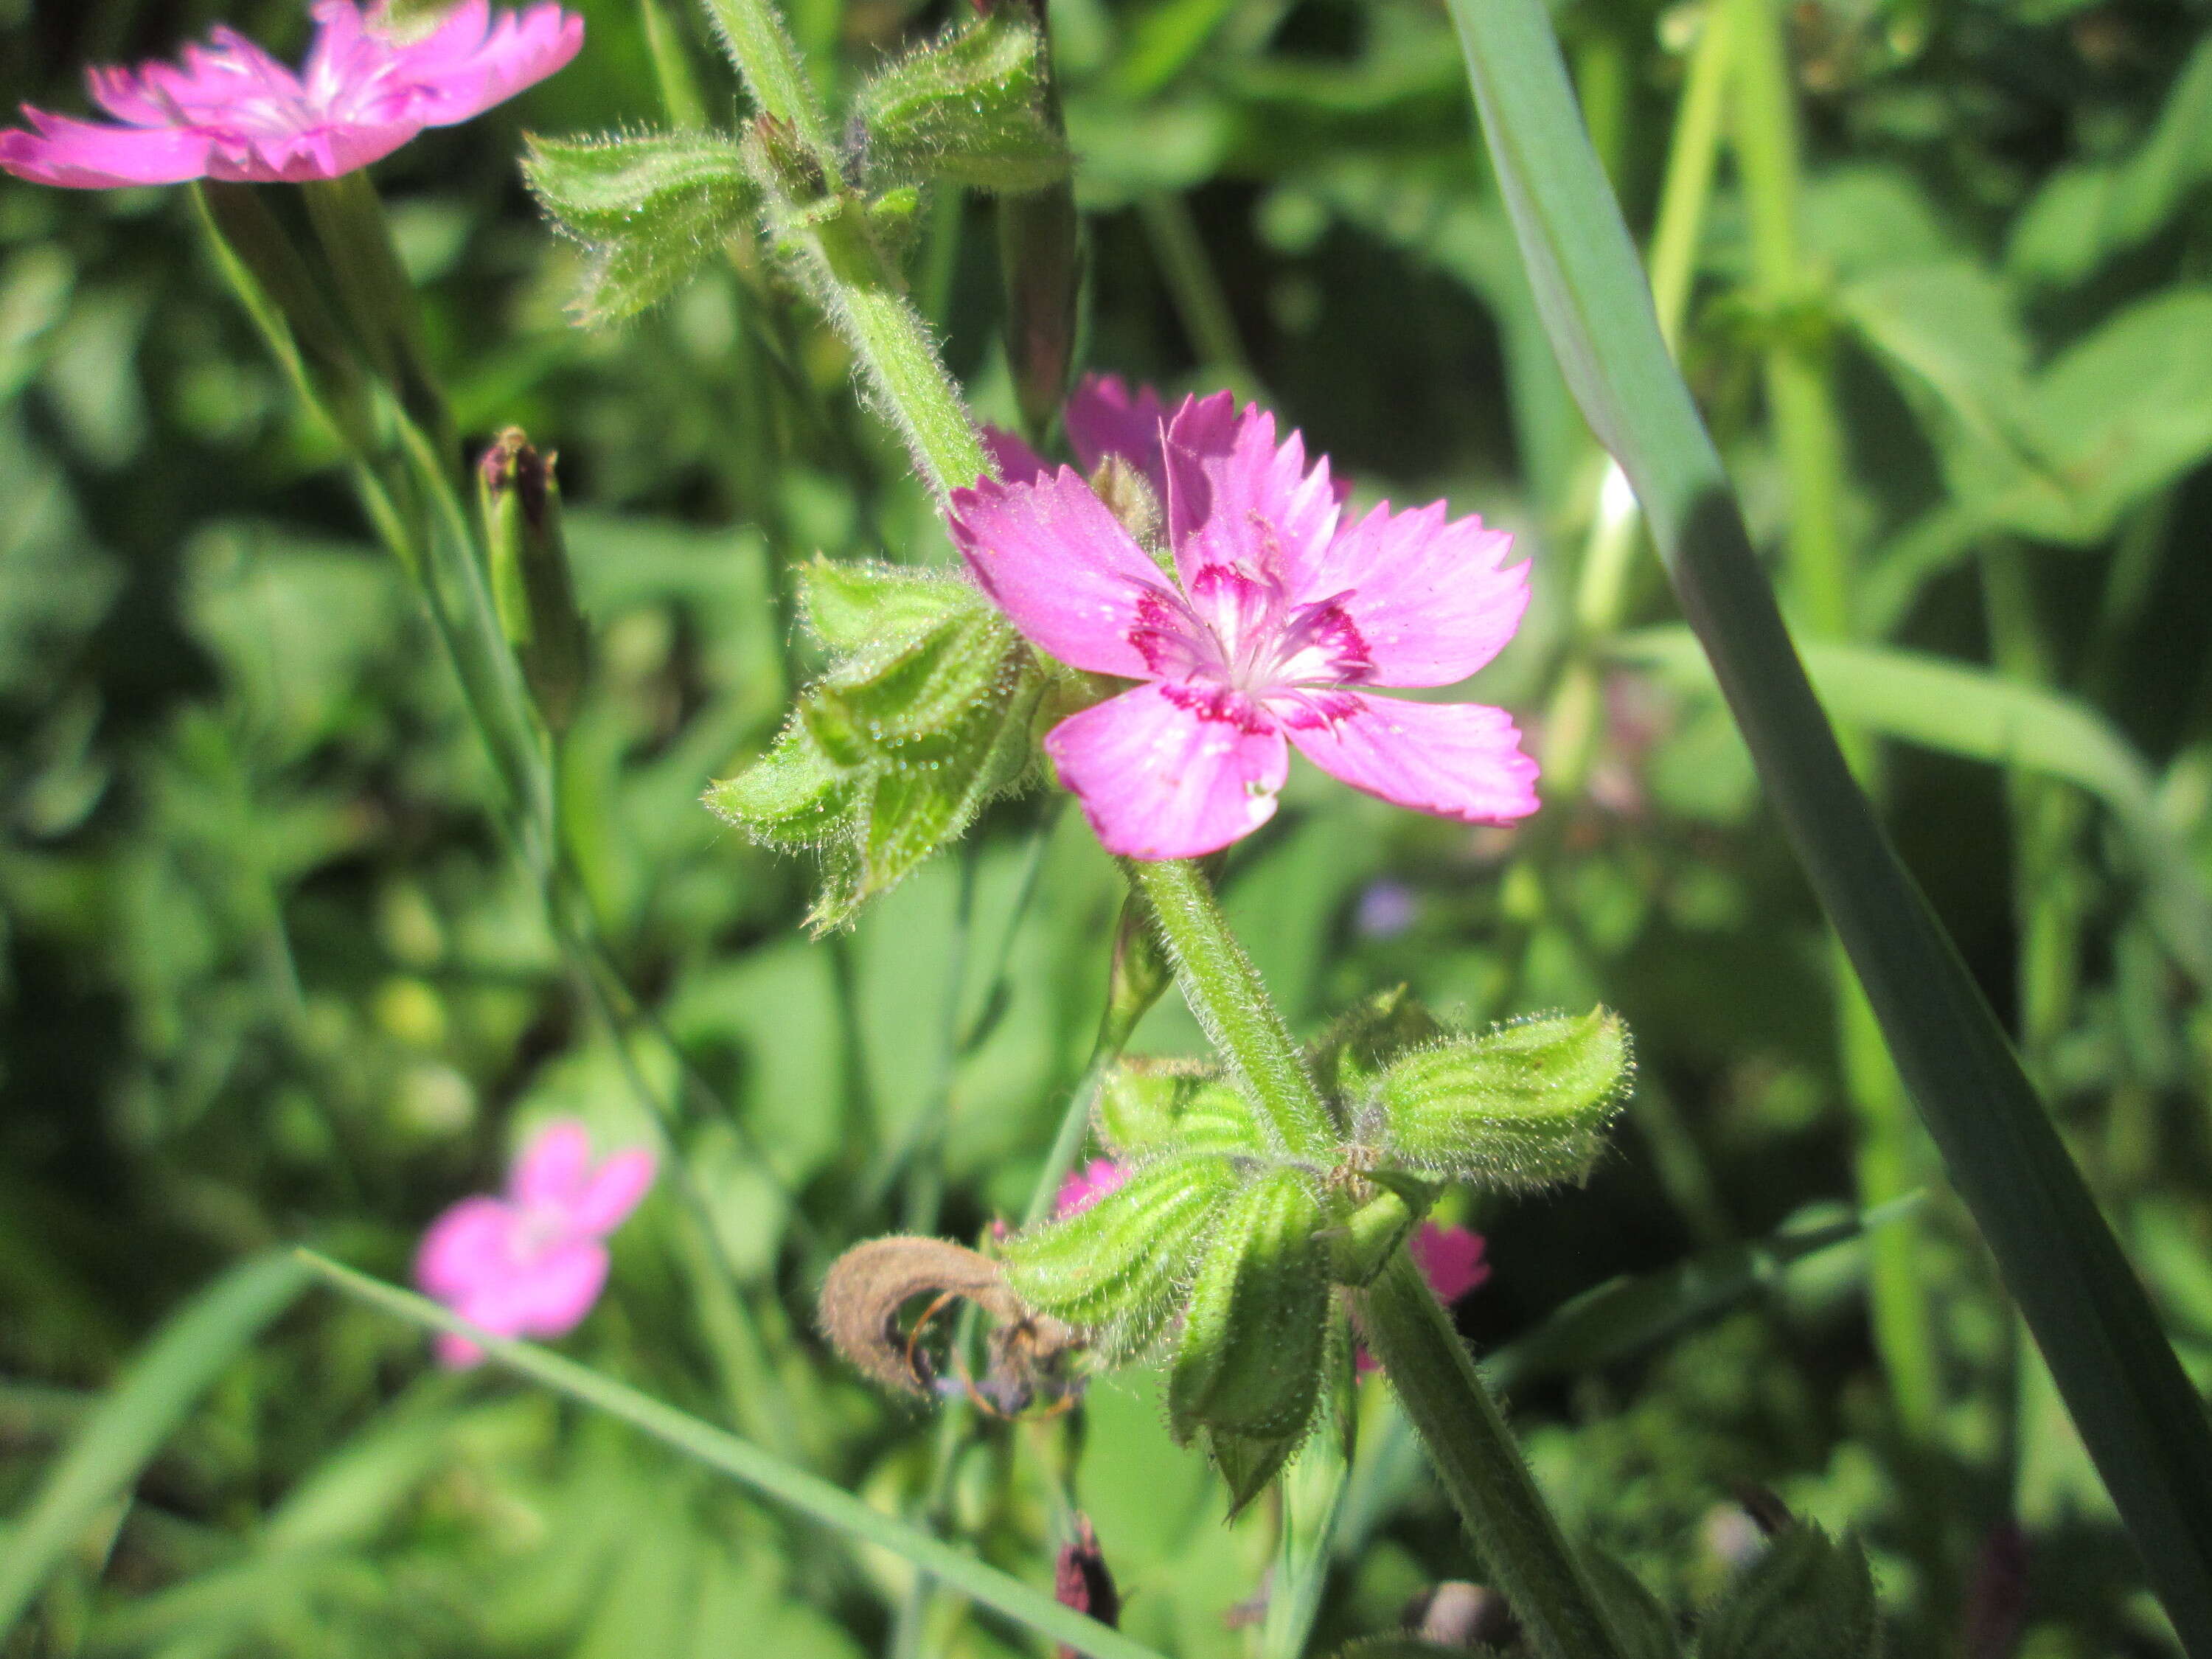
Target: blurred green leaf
[122,1434]
[1971,712]
[2084,216]
[763,1472]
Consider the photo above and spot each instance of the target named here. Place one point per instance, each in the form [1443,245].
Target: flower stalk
[1226,992]
[1445,1399]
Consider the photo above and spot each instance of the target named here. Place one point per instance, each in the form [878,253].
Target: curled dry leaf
[868,1285]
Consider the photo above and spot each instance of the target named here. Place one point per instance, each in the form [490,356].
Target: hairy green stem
[1226,992]
[1522,1546]
[758,43]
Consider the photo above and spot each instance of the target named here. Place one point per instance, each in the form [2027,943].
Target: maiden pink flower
[1278,611]
[533,1262]
[232,111]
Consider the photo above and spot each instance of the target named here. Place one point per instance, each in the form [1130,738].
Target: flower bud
[1522,1106]
[1130,499]
[1080,1580]
[1139,977]
[530,579]
[1040,261]
[923,718]
[1116,1265]
[1249,1462]
[1147,1105]
[1249,1361]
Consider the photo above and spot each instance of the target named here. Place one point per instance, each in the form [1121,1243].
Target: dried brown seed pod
[868,1287]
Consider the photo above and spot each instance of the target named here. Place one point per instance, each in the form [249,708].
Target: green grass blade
[767,1475]
[2137,1412]
[1960,710]
[122,1433]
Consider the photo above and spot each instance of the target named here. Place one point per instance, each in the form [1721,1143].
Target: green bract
[969,109]
[1521,1106]
[650,207]
[923,719]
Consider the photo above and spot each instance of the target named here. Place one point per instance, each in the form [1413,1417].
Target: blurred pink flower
[1451,1259]
[232,111]
[1086,1186]
[533,1263]
[1277,609]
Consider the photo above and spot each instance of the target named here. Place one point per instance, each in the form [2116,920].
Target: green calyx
[650,209]
[1523,1106]
[972,109]
[1225,1249]
[921,720]
[1248,1361]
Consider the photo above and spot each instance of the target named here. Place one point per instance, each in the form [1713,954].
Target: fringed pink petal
[1086,1186]
[1431,596]
[1103,417]
[1057,562]
[551,1171]
[553,1295]
[472,1244]
[88,155]
[466,66]
[1237,497]
[613,1190]
[1171,771]
[1449,1258]
[1015,461]
[1456,760]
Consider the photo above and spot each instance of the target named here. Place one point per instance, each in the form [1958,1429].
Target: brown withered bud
[866,1288]
[1080,1580]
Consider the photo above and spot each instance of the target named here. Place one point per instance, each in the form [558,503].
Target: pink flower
[1451,1259]
[232,111]
[1086,1186]
[1279,608]
[533,1263]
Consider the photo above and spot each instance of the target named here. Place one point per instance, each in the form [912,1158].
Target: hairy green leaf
[969,109]
[651,207]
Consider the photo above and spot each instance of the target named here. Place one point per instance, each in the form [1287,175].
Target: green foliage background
[269,975]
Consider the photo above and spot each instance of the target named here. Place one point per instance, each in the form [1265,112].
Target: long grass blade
[2137,1412]
[130,1424]
[748,1464]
